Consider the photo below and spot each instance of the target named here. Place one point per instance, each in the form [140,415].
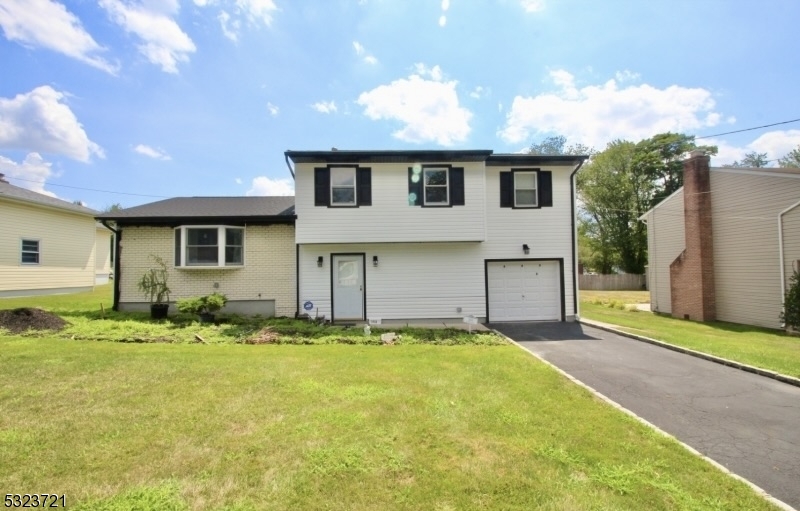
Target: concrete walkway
[746,422]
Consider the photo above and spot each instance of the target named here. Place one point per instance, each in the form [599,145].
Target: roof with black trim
[485,155]
[235,208]
[9,191]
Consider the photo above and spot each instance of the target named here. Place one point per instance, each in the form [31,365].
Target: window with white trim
[436,190]
[209,246]
[29,251]
[343,186]
[525,193]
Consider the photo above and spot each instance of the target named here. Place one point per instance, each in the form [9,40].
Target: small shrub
[203,304]
[791,306]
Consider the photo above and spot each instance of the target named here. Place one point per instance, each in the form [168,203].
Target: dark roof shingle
[207,207]
[10,191]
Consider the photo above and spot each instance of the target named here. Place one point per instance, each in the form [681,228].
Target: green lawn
[760,347]
[118,426]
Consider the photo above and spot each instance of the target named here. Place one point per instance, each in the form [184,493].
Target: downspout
[296,249]
[780,249]
[117,265]
[291,171]
[574,240]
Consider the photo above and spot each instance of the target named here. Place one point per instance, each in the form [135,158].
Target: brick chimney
[692,273]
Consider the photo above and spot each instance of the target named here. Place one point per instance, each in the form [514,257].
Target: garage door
[524,291]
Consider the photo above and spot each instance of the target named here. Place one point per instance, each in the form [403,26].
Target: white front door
[348,287]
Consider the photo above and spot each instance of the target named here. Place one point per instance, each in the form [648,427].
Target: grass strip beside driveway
[115,426]
[759,347]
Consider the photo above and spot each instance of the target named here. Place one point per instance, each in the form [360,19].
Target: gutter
[117,265]
[780,250]
[574,240]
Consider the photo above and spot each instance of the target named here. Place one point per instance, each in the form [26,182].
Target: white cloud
[532,5]
[445,5]
[151,152]
[428,109]
[238,180]
[32,172]
[479,92]
[273,110]
[325,107]
[434,72]
[626,76]
[442,20]
[595,114]
[257,10]
[362,52]
[263,185]
[48,24]
[230,29]
[40,121]
[163,42]
[775,143]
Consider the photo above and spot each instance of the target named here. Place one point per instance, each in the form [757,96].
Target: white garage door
[524,291]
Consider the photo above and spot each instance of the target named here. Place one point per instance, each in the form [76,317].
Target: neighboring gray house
[240,246]
[725,245]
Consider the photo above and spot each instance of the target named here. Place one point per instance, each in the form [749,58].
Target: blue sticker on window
[308,306]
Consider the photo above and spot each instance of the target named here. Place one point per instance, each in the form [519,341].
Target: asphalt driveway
[748,423]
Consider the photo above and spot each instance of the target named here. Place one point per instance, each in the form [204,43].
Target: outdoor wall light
[526,249]
[374,260]
[319,261]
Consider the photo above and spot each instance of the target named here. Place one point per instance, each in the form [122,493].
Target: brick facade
[692,272]
[269,272]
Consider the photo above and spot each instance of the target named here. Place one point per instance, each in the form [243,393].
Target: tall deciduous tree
[752,159]
[792,159]
[661,157]
[557,145]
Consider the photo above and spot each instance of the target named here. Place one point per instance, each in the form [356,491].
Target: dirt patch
[21,320]
[263,336]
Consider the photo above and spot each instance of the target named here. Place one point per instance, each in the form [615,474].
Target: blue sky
[162,98]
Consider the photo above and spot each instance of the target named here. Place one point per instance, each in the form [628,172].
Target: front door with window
[348,287]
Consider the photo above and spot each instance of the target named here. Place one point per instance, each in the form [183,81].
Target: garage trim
[528,259]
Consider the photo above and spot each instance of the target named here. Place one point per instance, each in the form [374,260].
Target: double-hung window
[525,195]
[436,189]
[343,186]
[29,253]
[209,246]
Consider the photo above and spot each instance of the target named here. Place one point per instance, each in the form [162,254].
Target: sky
[131,101]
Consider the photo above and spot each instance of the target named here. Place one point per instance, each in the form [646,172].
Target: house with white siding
[242,247]
[435,235]
[725,245]
[49,246]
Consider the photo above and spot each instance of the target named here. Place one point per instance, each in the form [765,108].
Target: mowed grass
[760,347]
[119,426]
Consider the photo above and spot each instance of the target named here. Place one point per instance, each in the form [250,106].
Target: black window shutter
[506,190]
[364,186]
[177,247]
[456,186]
[545,184]
[414,188]
[322,187]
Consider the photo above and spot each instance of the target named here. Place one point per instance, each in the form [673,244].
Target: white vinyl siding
[432,280]
[390,218]
[66,249]
[666,239]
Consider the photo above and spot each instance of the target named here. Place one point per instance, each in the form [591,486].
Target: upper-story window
[526,189]
[209,246]
[29,253]
[436,183]
[343,186]
[525,195]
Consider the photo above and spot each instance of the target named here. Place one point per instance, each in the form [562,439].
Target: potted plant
[203,306]
[154,286]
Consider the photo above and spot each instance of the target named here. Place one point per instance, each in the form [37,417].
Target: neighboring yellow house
[242,247]
[49,246]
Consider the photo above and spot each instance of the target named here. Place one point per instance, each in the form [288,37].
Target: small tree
[791,303]
[154,282]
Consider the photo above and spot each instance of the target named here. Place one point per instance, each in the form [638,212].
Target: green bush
[791,304]
[203,304]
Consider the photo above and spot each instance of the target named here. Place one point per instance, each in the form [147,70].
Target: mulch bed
[20,320]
